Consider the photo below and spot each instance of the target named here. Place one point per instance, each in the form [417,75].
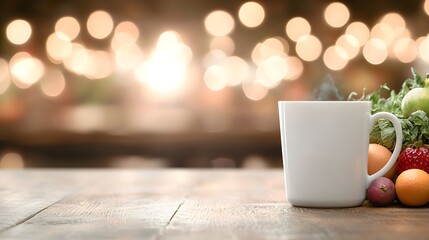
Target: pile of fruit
[408,180]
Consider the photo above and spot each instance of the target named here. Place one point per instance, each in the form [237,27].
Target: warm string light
[251,14]
[269,62]
[18,31]
[336,14]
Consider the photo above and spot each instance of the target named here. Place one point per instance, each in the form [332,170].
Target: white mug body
[325,152]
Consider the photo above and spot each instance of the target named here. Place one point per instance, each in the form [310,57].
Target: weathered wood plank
[98,217]
[183,204]
[108,205]
[251,205]
[24,194]
[219,220]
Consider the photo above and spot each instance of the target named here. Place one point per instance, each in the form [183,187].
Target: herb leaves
[415,128]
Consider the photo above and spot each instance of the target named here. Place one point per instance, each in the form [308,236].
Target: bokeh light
[423,48]
[375,51]
[251,14]
[426,7]
[396,22]
[99,24]
[295,68]
[18,31]
[25,69]
[254,90]
[4,76]
[272,47]
[214,57]
[128,28]
[126,33]
[224,43]
[336,14]
[335,58]
[12,160]
[128,56]
[219,23]
[215,78]
[297,27]
[77,60]
[271,71]
[405,49]
[256,54]
[384,32]
[128,49]
[58,47]
[359,31]
[168,39]
[99,65]
[276,46]
[166,69]
[308,48]
[137,71]
[68,26]
[53,83]
[236,70]
[349,44]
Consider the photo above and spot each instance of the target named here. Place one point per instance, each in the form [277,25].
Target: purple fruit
[381,192]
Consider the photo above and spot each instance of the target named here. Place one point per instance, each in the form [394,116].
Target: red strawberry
[413,158]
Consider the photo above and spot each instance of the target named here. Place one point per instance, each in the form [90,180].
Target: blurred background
[185,83]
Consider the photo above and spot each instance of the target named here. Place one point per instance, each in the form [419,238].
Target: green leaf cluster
[415,128]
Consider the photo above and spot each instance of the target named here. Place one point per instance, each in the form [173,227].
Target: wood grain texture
[217,220]
[182,204]
[105,205]
[24,195]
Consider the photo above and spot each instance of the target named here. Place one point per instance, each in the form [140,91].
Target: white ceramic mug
[325,151]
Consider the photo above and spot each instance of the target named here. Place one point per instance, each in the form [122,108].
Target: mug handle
[398,144]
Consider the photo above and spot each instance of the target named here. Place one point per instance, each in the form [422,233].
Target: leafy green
[415,128]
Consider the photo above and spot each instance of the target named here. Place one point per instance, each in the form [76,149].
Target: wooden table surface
[182,204]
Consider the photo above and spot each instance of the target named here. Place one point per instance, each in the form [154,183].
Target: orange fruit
[412,187]
[378,156]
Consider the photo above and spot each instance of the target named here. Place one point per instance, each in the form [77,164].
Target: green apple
[415,99]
